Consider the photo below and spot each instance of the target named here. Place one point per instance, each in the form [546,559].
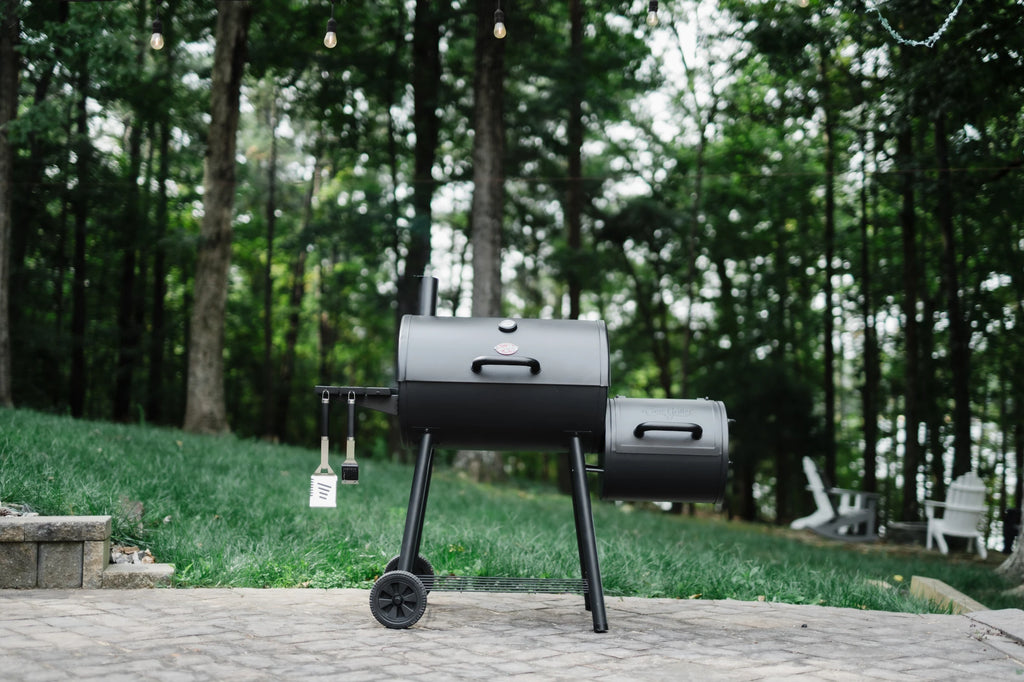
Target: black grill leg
[423,506]
[585,536]
[579,535]
[417,505]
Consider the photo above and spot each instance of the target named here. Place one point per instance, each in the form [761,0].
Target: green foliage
[703,218]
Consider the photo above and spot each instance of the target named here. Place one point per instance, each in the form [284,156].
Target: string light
[499,23]
[156,41]
[331,37]
[652,13]
[927,42]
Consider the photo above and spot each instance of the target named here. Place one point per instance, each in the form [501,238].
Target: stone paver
[243,634]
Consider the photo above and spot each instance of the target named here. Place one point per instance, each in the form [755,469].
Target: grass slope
[230,512]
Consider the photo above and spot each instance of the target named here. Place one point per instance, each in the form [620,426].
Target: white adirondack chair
[962,512]
[841,514]
[825,511]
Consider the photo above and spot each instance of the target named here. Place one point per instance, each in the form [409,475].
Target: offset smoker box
[506,384]
[665,450]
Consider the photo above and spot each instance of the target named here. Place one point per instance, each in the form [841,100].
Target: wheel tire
[398,599]
[420,567]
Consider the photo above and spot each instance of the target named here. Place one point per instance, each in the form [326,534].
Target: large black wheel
[420,567]
[398,599]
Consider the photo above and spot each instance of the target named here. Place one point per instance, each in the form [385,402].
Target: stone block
[132,576]
[12,529]
[944,595]
[66,528]
[18,564]
[60,565]
[95,558]
[1009,621]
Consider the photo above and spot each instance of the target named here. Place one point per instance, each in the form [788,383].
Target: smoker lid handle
[532,363]
[644,427]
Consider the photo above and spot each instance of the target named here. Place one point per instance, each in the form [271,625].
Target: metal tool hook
[350,468]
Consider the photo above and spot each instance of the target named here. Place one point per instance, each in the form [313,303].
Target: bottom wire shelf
[453,583]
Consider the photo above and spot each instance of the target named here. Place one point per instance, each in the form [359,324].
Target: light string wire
[927,42]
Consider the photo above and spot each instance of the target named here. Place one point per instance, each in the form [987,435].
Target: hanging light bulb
[331,37]
[652,13]
[499,24]
[156,41]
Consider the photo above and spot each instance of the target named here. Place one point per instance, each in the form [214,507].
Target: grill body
[527,384]
[665,450]
[502,384]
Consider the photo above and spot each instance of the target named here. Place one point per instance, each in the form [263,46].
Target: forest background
[794,207]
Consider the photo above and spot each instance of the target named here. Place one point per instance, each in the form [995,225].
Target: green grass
[231,512]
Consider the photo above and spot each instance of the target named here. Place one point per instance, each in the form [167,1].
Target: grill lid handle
[644,427]
[532,363]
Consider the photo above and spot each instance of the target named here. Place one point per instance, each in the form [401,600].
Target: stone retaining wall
[58,552]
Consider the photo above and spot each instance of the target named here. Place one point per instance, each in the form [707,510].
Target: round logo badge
[507,348]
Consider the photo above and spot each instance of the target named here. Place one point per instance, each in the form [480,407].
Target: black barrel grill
[535,385]
[487,383]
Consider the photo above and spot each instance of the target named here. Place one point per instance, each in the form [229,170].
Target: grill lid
[502,350]
[493,383]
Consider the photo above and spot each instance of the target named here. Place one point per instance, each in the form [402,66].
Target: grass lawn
[231,512]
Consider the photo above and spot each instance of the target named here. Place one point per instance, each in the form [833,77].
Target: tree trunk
[205,410]
[574,193]
[80,211]
[426,85]
[704,115]
[488,159]
[911,411]
[158,326]
[291,339]
[1013,567]
[488,200]
[127,329]
[10,69]
[1018,457]
[931,402]
[959,334]
[872,367]
[129,311]
[269,422]
[693,231]
[298,293]
[33,174]
[327,328]
[830,247]
[654,318]
[1004,451]
[155,397]
[1016,419]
